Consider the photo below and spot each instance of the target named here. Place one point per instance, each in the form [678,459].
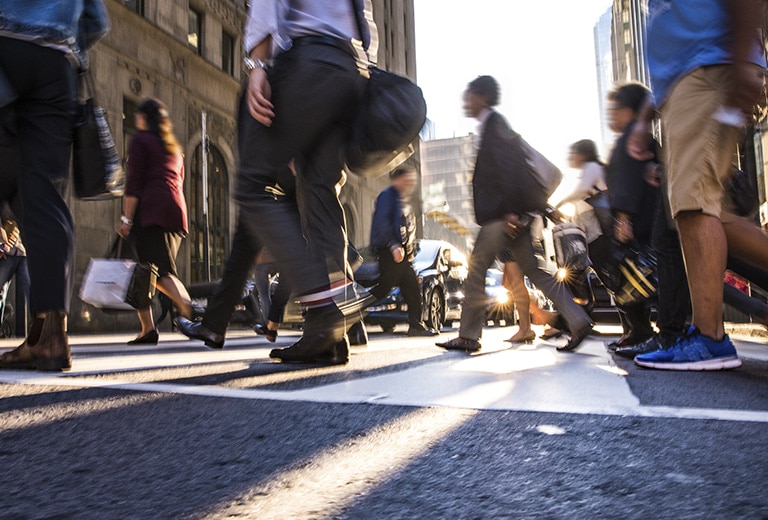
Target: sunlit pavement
[405,430]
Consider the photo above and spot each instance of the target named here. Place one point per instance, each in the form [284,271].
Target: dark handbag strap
[116,250]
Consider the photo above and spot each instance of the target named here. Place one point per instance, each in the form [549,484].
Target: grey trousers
[491,240]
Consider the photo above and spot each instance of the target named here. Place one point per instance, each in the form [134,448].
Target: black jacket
[389,226]
[628,191]
[503,182]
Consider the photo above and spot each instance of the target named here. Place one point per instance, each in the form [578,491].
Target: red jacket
[157,180]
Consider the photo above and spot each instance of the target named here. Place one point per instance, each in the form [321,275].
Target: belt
[329,41]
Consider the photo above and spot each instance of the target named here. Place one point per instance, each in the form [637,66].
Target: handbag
[116,283]
[97,169]
[571,250]
[602,206]
[632,275]
[388,121]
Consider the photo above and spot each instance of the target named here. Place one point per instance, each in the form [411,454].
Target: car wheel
[436,310]
[389,328]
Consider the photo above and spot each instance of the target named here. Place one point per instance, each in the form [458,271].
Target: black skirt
[159,246]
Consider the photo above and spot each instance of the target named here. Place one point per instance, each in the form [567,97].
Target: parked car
[441,269]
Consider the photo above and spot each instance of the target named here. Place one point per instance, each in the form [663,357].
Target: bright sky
[541,52]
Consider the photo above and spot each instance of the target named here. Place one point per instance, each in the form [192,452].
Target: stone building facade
[188,53]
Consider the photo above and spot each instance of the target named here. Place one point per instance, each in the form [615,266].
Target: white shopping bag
[106,283]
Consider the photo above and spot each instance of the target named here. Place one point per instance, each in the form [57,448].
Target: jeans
[491,240]
[315,91]
[11,266]
[45,82]
[401,275]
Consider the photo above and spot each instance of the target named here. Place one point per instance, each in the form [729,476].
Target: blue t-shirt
[684,35]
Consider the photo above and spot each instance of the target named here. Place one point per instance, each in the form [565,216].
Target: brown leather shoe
[464,344]
[50,352]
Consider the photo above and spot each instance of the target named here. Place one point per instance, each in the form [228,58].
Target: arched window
[218,215]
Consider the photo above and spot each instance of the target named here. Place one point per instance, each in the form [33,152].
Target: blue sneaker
[693,351]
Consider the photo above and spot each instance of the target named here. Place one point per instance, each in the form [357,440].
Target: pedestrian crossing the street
[533,378]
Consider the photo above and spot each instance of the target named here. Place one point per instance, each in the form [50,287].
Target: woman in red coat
[154,208]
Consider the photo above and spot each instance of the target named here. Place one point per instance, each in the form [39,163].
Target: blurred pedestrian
[633,201]
[393,238]
[707,65]
[13,264]
[154,207]
[41,50]
[307,63]
[507,198]
[272,304]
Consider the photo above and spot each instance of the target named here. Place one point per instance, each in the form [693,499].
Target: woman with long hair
[154,208]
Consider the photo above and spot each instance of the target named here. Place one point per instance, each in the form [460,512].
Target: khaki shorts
[699,150]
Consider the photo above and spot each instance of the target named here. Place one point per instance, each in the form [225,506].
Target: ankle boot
[53,347]
[46,347]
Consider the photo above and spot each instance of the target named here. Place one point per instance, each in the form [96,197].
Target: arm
[93,24]
[259,96]
[746,86]
[136,166]
[590,177]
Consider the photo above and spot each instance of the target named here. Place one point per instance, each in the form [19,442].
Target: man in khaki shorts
[707,63]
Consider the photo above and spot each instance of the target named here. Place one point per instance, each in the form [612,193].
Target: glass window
[218,215]
[137,6]
[195,31]
[227,53]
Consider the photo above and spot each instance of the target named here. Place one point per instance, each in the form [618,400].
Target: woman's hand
[124,229]
[259,97]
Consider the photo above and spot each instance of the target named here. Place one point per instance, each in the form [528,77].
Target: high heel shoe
[150,338]
[528,338]
[262,330]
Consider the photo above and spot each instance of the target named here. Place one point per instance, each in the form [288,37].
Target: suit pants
[491,240]
[45,82]
[315,92]
[230,289]
[401,275]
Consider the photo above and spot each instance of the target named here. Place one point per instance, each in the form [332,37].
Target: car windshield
[425,255]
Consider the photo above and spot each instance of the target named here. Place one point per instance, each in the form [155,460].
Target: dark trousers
[272,305]
[491,240]
[230,289]
[10,267]
[315,90]
[393,274]
[674,304]
[45,83]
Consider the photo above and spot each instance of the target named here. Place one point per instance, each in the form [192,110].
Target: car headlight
[502,298]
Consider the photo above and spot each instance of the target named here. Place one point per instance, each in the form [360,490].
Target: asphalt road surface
[404,431]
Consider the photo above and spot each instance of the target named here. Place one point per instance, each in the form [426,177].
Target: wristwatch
[125,220]
[251,64]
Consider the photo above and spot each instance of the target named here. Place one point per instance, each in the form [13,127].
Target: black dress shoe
[576,339]
[422,332]
[150,338]
[463,344]
[196,330]
[262,330]
[646,347]
[340,355]
[309,349]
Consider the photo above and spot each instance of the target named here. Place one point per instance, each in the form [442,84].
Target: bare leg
[175,290]
[147,321]
[746,241]
[514,281]
[705,251]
